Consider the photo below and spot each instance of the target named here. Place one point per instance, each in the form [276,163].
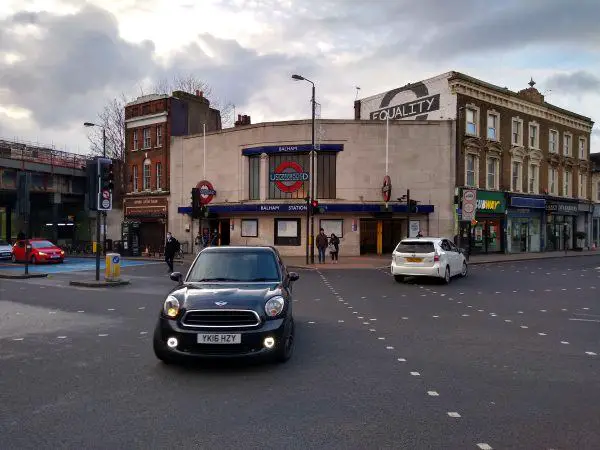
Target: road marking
[401,360]
[459,302]
[564,342]
[102,335]
[51,312]
[484,446]
[61,337]
[585,320]
[498,292]
[519,312]
[142,307]
[405,318]
[543,310]
[586,309]
[465,315]
[372,330]
[563,289]
[461,293]
[143,332]
[564,309]
[433,393]
[350,307]
[415,374]
[542,334]
[110,309]
[372,320]
[340,321]
[381,338]
[442,295]
[354,312]
[389,347]
[311,323]
[435,317]
[366,323]
[363,297]
[578,289]
[524,326]
[480,310]
[514,292]
[531,290]
[80,311]
[360,317]
[17,339]
[591,353]
[454,414]
[548,290]
[469,306]
[507,320]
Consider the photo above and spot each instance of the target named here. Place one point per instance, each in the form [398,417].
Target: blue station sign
[301,148]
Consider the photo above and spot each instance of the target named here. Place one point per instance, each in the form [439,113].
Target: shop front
[525,222]
[485,234]
[595,238]
[561,218]
[143,231]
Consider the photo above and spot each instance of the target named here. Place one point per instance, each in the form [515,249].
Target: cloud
[576,82]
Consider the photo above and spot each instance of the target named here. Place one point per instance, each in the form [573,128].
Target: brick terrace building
[151,121]
[528,160]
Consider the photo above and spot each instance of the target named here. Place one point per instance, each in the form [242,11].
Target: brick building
[528,160]
[151,121]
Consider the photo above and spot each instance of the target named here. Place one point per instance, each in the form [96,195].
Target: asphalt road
[506,358]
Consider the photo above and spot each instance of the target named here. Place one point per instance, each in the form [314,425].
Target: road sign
[104,200]
[105,203]
[469,202]
[106,194]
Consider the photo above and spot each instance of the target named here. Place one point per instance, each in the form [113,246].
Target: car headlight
[41,254]
[171,307]
[274,306]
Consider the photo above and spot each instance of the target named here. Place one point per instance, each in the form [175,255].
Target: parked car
[42,251]
[233,302]
[428,257]
[5,250]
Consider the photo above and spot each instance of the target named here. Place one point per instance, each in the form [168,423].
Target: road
[508,358]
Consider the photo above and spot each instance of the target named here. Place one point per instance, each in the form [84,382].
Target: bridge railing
[26,151]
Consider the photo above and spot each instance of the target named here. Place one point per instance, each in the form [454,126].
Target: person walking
[322,245]
[334,248]
[171,247]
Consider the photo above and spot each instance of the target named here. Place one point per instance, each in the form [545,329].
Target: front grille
[221,318]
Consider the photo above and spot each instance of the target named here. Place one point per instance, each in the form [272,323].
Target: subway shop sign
[490,202]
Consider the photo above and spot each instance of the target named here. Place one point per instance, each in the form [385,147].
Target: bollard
[112,271]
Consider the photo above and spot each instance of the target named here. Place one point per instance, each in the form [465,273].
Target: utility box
[112,272]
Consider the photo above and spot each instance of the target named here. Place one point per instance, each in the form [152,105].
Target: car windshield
[415,247]
[234,266]
[41,244]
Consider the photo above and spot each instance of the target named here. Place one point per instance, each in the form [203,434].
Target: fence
[27,151]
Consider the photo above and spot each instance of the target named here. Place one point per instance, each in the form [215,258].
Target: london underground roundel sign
[206,191]
[289,176]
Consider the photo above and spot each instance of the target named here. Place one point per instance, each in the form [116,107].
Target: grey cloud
[579,82]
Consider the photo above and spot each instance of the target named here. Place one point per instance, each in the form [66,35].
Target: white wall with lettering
[429,99]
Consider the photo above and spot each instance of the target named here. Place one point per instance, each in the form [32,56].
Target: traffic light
[315,208]
[106,184]
[412,207]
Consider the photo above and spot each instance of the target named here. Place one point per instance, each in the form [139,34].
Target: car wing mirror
[177,276]
[294,276]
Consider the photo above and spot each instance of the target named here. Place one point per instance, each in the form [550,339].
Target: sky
[61,61]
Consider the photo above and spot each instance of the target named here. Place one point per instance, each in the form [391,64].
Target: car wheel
[465,270]
[447,275]
[287,349]
[160,349]
[399,278]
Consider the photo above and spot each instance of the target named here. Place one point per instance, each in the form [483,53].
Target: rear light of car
[436,258]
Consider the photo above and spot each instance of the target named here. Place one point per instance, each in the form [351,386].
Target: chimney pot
[197,93]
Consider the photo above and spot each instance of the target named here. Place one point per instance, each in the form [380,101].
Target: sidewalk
[370,262]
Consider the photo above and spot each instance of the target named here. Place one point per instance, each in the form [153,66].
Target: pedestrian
[21,236]
[334,248]
[419,234]
[171,248]
[198,242]
[322,245]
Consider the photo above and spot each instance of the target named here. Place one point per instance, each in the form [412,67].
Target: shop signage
[207,192]
[469,201]
[490,202]
[301,207]
[415,108]
[386,189]
[146,207]
[562,208]
[527,202]
[289,176]
[302,148]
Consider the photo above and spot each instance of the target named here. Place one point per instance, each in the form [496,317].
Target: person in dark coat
[321,245]
[171,248]
[334,248]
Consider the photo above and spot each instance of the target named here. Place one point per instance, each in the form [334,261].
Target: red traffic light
[315,204]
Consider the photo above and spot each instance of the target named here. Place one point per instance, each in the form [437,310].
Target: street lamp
[312,187]
[90,124]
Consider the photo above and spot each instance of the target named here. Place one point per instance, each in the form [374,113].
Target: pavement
[508,357]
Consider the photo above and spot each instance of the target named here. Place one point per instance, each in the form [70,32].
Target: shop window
[326,175]
[249,228]
[254,177]
[289,176]
[335,226]
[287,232]
[492,173]
[553,141]
[552,181]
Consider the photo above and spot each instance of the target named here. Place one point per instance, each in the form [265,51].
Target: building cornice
[488,95]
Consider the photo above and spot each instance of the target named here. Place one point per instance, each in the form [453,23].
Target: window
[492,127]
[517,170]
[492,173]
[553,141]
[567,145]
[582,185]
[471,170]
[287,232]
[146,176]
[552,181]
[471,121]
[159,135]
[158,176]
[335,226]
[326,175]
[135,139]
[288,176]
[534,138]
[147,139]
[582,149]
[533,178]
[254,177]
[415,247]
[249,228]
[135,179]
[517,132]
[567,183]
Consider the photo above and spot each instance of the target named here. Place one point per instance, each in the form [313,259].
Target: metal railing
[29,151]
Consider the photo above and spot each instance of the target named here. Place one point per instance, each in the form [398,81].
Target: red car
[41,251]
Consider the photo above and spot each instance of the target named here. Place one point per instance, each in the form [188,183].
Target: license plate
[55,257]
[414,259]
[219,338]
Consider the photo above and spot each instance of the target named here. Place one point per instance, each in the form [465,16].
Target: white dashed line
[366,323]
[542,334]
[312,323]
[543,310]
[110,309]
[80,311]
[340,321]
[465,315]
[354,312]
[51,312]
[498,292]
[454,414]
[102,335]
[435,317]
[143,332]
[524,327]
[61,337]
[401,360]
[564,342]
[507,320]
[415,374]
[433,393]
[381,338]
[373,320]
[591,353]
[17,339]
[484,446]
[519,312]
[586,309]
[405,318]
[372,330]
[142,307]
[360,317]
[389,347]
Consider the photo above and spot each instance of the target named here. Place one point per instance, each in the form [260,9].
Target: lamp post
[312,195]
[90,124]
